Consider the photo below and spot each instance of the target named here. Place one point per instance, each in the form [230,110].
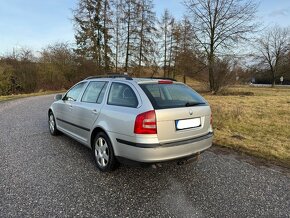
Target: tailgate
[177,124]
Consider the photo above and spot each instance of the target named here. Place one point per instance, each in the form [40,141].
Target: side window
[93,93]
[122,95]
[73,93]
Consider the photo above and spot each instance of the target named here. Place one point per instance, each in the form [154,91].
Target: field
[253,120]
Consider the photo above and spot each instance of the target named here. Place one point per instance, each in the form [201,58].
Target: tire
[52,125]
[103,153]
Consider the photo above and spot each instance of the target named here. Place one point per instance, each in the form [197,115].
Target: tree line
[115,36]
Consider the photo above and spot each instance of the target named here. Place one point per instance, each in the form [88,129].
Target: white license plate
[189,123]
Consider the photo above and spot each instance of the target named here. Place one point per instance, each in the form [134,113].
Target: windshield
[164,96]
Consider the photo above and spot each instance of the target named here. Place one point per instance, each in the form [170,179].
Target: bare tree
[187,61]
[286,67]
[146,32]
[107,23]
[166,31]
[129,20]
[219,25]
[171,47]
[57,66]
[26,54]
[272,47]
[117,33]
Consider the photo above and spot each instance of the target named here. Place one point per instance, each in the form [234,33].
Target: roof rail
[165,78]
[110,76]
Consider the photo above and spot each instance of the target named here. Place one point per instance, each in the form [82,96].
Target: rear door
[121,109]
[181,113]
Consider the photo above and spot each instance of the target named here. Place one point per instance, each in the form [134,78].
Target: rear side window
[94,92]
[122,95]
[164,96]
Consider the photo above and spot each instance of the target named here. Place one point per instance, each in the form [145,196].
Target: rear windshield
[164,96]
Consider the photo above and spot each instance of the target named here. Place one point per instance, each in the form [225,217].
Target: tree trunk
[184,79]
[165,50]
[273,79]
[128,38]
[170,53]
[117,35]
[117,47]
[106,37]
[141,40]
[211,73]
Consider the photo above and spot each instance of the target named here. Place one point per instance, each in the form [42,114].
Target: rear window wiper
[189,104]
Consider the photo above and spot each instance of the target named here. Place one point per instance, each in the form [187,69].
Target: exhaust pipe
[157,165]
[182,162]
[189,160]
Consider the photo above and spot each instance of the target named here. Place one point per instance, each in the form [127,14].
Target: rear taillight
[211,119]
[145,123]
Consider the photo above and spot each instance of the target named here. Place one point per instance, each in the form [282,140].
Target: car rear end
[174,122]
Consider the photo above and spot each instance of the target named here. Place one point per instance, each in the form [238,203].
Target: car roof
[128,78]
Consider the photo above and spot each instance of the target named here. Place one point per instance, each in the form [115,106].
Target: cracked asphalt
[46,176]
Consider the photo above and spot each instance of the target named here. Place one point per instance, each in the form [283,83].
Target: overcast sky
[37,23]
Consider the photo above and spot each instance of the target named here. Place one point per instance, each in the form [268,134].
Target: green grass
[13,97]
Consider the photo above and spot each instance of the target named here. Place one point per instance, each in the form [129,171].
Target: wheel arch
[49,111]
[94,133]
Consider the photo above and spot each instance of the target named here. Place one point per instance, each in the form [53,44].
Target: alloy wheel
[102,152]
[51,123]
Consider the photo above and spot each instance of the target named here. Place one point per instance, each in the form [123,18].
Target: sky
[34,24]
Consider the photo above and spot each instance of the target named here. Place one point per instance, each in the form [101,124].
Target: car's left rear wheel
[104,153]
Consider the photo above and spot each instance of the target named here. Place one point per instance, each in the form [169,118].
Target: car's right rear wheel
[103,153]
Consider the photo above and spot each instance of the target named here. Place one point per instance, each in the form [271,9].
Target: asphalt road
[46,176]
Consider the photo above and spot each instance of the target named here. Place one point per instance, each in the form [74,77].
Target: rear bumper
[150,153]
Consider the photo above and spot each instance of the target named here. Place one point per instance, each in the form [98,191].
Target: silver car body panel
[161,153]
[79,119]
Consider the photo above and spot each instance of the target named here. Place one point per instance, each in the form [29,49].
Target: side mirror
[58,97]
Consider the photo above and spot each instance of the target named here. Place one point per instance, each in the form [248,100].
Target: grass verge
[257,124]
[13,97]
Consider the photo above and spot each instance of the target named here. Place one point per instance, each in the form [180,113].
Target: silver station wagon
[124,119]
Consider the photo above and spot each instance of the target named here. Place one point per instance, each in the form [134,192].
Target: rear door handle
[94,111]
